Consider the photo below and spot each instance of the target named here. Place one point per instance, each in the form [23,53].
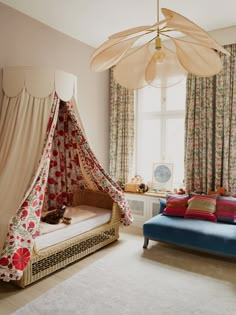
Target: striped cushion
[226,209]
[176,205]
[201,207]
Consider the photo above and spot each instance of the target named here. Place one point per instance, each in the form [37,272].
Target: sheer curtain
[122,126]
[210,150]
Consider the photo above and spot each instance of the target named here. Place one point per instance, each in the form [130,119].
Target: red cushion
[176,205]
[226,209]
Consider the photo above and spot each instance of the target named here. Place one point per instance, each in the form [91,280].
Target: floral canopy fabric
[44,158]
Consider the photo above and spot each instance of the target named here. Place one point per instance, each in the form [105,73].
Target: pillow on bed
[226,209]
[176,205]
[202,207]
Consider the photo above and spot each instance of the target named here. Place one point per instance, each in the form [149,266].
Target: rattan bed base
[59,256]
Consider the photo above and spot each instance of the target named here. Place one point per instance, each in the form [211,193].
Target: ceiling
[92,21]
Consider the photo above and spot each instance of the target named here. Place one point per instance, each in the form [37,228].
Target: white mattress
[62,232]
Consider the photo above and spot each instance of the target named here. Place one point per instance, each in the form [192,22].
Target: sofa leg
[145,244]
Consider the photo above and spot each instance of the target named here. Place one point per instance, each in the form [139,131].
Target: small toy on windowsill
[136,180]
[219,191]
[121,184]
[136,185]
[181,191]
[142,188]
[133,185]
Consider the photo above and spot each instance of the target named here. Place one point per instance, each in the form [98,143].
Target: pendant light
[152,62]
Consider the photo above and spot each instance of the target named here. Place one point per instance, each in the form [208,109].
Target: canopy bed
[46,162]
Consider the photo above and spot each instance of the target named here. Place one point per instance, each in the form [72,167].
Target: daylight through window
[160,131]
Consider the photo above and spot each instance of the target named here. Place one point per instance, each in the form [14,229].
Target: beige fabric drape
[23,123]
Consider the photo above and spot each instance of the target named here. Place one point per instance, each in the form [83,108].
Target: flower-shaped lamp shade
[154,64]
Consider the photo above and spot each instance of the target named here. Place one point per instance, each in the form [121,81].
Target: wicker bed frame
[58,256]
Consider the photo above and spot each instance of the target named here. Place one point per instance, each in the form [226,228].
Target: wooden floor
[13,297]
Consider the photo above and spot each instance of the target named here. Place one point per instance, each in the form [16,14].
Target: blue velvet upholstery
[218,238]
[162,204]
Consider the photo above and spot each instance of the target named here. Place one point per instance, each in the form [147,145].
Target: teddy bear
[56,216]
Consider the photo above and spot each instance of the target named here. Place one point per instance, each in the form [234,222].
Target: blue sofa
[216,238]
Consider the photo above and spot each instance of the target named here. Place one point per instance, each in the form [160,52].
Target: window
[160,130]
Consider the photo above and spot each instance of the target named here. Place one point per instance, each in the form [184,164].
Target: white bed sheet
[68,231]
[77,214]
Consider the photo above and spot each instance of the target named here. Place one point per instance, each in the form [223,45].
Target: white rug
[131,281]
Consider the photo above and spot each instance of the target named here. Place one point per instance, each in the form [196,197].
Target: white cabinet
[143,207]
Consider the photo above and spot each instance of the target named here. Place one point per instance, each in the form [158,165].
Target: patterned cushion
[176,205]
[202,207]
[226,209]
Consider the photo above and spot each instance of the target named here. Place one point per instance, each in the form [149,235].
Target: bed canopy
[44,158]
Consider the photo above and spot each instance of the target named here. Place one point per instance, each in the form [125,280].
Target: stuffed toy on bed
[56,216]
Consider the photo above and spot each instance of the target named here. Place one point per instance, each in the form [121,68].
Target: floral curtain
[210,138]
[73,165]
[64,171]
[94,175]
[122,126]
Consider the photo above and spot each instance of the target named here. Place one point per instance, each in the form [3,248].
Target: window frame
[164,114]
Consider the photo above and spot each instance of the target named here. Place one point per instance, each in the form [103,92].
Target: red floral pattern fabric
[210,135]
[66,153]
[23,227]
[64,171]
[94,171]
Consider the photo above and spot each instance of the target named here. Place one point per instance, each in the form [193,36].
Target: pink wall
[25,41]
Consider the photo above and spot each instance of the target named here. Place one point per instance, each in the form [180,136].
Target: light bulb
[160,54]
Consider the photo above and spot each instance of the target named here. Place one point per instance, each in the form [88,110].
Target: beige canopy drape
[24,117]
